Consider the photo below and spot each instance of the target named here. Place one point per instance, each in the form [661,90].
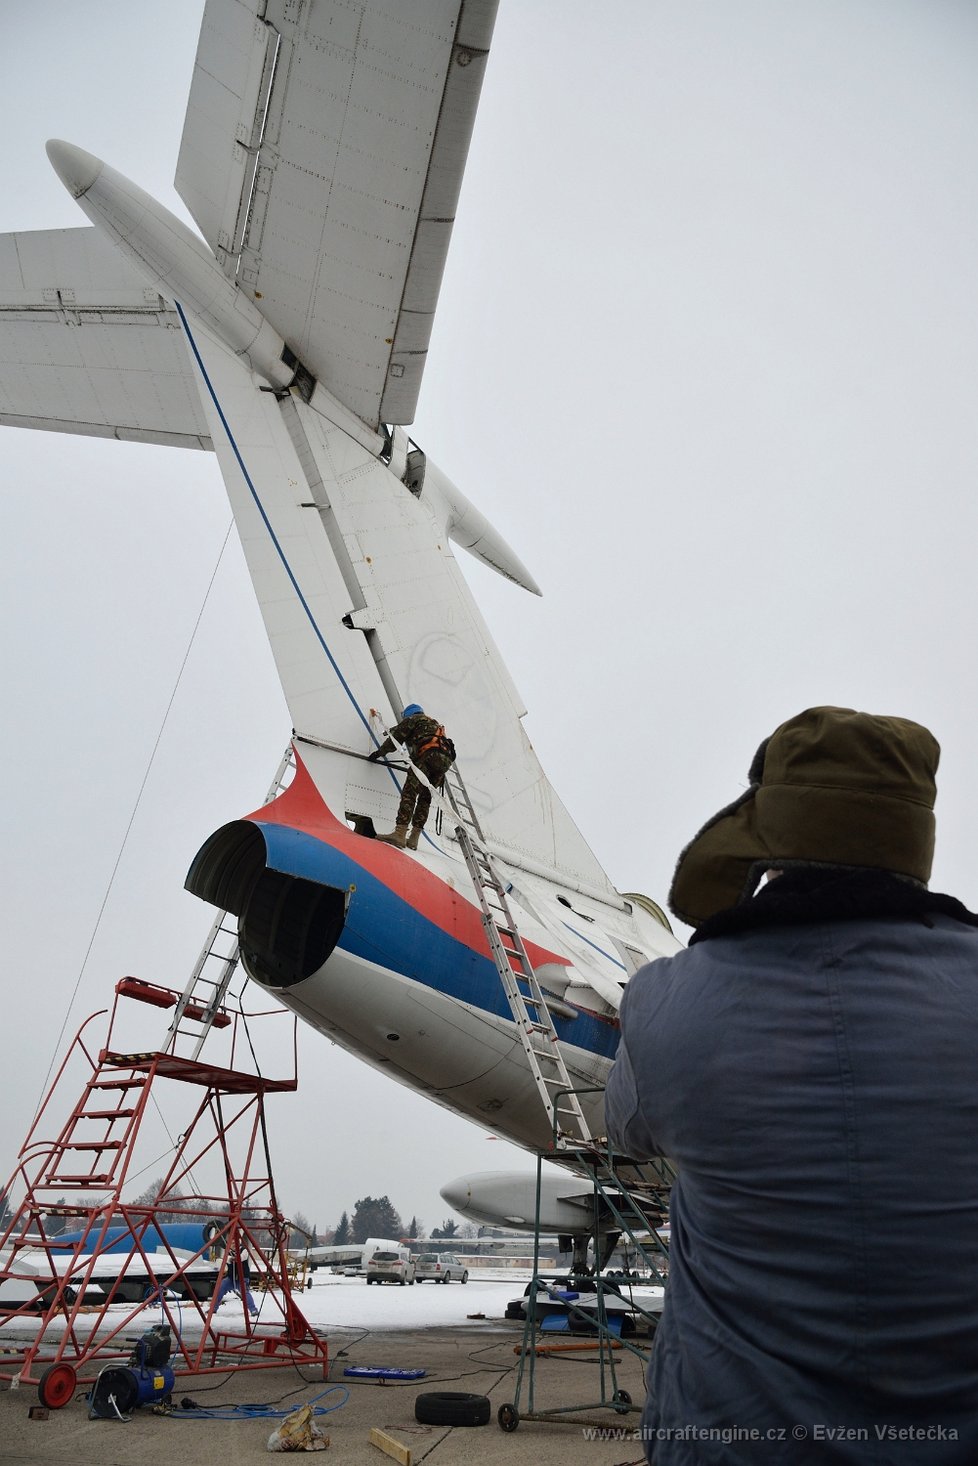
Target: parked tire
[464,1278]
[452,1407]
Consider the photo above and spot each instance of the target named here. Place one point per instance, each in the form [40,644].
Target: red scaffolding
[69,1305]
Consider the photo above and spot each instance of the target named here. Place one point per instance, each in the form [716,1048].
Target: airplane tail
[366,607]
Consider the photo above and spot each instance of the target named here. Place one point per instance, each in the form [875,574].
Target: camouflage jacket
[415,732]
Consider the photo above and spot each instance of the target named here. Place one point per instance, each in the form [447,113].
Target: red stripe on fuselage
[302,807]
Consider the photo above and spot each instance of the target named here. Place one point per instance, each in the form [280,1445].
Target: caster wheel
[57,1386]
[508,1417]
[621,1401]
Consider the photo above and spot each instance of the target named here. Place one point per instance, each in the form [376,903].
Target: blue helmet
[411,709]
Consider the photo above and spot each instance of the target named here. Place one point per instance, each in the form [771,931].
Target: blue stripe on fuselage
[383,928]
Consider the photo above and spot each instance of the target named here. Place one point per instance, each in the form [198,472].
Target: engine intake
[287,925]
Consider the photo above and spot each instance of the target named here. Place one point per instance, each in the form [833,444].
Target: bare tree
[154,1195]
[302,1232]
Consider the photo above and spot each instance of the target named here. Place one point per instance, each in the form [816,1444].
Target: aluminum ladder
[201,1002]
[644,1192]
[528,1005]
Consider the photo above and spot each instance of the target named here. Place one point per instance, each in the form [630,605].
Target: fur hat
[831,787]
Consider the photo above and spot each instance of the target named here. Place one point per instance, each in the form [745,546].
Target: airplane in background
[321,160]
[128,1264]
[352,1258]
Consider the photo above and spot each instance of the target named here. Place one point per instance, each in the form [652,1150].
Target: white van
[391,1266]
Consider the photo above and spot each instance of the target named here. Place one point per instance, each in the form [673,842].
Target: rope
[132,818]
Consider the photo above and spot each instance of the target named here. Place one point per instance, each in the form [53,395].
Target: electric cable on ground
[258,1411]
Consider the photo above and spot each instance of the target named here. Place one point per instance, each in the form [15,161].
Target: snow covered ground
[331,1303]
[334,1302]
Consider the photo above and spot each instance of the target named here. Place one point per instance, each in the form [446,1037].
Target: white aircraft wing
[351,1252]
[324,1256]
[322,157]
[87,347]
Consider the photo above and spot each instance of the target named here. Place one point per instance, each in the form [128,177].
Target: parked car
[440,1268]
[391,1267]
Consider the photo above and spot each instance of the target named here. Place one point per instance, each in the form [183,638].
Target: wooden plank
[390,1446]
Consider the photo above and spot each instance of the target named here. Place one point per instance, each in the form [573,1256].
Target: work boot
[398,837]
[414,837]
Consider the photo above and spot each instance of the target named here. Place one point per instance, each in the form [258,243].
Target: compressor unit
[146,1380]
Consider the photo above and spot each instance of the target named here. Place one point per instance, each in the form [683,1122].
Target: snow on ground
[348,1302]
[331,1303]
[335,1302]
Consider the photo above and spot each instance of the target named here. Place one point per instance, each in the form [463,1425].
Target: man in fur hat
[810,1064]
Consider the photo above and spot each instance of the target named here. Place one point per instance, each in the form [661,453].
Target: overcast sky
[706,353]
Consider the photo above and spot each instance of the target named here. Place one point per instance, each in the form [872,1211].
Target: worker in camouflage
[433,753]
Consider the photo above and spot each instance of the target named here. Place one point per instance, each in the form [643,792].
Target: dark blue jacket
[811,1065]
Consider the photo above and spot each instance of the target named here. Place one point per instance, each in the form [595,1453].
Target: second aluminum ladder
[527,1002]
[201,1000]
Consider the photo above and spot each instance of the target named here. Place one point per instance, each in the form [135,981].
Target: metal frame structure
[60,1336]
[629,1199]
[628,1212]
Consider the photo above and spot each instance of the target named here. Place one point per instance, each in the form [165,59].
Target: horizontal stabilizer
[86,347]
[322,157]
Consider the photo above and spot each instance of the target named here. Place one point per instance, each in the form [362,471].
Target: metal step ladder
[78,1310]
[95,1140]
[528,1005]
[635,1195]
[200,1007]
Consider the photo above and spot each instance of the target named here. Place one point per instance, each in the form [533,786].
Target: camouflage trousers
[415,797]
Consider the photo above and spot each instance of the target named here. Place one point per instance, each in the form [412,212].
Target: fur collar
[834,894]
